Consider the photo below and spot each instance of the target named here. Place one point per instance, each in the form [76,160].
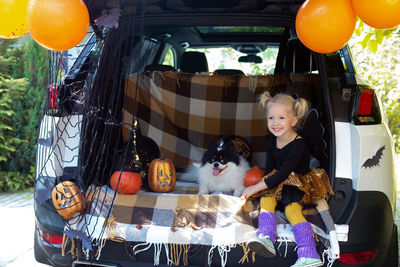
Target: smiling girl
[287,154]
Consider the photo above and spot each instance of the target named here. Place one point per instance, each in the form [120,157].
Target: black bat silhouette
[374,161]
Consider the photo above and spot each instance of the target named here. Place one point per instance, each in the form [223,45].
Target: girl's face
[281,120]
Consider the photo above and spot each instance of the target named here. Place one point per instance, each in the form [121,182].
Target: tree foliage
[376,55]
[11,90]
[34,67]
[23,77]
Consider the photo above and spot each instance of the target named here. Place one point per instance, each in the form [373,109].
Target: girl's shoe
[262,246]
[308,262]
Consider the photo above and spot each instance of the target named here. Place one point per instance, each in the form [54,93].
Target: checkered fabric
[184,219]
[179,217]
[184,112]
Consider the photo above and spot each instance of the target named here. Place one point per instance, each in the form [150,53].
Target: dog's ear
[234,155]
[211,145]
[208,154]
[231,147]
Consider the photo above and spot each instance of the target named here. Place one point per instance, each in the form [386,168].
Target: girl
[287,155]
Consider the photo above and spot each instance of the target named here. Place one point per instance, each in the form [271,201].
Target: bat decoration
[374,161]
[109,18]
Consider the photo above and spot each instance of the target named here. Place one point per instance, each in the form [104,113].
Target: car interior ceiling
[191,35]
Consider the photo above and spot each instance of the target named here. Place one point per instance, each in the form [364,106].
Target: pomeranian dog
[222,168]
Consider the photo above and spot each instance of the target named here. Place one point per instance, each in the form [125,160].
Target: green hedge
[23,82]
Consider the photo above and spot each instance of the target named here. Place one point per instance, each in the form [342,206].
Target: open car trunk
[114,114]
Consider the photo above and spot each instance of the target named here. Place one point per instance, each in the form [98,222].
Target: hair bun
[264,98]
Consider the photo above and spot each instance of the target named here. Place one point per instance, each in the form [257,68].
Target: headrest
[193,62]
[299,58]
[228,72]
[159,67]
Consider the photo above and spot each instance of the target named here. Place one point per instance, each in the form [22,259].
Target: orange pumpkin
[129,183]
[253,176]
[162,175]
[68,199]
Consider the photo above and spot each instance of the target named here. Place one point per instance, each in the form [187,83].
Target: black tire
[38,251]
[392,258]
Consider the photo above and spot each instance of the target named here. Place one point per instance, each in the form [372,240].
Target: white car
[170,76]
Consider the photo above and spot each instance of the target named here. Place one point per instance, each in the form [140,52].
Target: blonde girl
[287,154]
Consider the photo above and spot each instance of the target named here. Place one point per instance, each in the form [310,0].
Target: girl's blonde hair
[299,106]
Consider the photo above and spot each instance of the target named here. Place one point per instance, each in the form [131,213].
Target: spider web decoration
[80,136]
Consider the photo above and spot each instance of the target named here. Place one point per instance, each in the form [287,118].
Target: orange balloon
[58,24]
[13,18]
[325,26]
[382,14]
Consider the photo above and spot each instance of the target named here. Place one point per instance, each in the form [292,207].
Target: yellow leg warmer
[267,204]
[294,213]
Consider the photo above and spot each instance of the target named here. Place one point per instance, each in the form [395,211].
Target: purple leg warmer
[267,225]
[305,241]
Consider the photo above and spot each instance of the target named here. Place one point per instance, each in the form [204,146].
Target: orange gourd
[162,175]
[129,183]
[68,199]
[253,176]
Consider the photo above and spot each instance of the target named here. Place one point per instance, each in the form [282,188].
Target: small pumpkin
[162,175]
[68,199]
[129,183]
[253,176]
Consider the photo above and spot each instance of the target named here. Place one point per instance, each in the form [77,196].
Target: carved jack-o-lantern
[68,199]
[162,175]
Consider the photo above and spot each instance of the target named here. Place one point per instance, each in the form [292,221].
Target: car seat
[159,67]
[299,58]
[228,72]
[193,61]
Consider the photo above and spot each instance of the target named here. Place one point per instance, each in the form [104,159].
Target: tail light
[368,110]
[359,257]
[51,238]
[365,104]
[53,96]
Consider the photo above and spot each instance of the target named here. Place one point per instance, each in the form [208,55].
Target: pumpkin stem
[162,157]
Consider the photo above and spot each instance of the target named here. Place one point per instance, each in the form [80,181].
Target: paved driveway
[16,230]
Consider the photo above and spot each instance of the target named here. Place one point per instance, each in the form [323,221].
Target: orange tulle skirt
[315,184]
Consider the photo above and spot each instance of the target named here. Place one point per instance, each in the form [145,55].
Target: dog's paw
[203,191]
[238,192]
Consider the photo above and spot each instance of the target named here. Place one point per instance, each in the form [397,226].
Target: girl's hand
[252,189]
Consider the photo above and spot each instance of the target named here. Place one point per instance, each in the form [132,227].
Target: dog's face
[220,156]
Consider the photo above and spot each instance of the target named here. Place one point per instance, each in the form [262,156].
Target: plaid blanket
[184,112]
[176,219]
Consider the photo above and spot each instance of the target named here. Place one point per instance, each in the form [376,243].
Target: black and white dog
[223,167]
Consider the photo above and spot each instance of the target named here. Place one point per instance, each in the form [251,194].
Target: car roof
[193,22]
[278,7]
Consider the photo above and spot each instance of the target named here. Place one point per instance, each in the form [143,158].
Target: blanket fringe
[223,251]
[176,250]
[157,253]
[210,255]
[172,252]
[100,248]
[285,240]
[63,245]
[246,252]
[73,251]
[331,257]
